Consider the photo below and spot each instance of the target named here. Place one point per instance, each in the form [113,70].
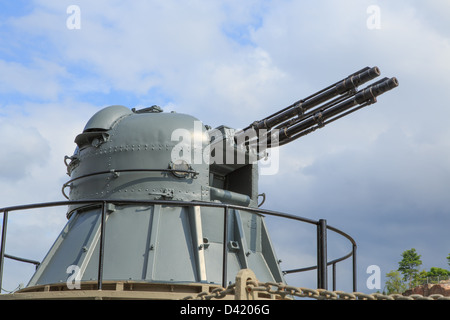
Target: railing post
[334,276]
[225,253]
[354,268]
[102,245]
[2,249]
[322,274]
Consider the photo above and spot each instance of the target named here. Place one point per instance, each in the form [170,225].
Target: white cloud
[181,48]
[42,79]
[23,150]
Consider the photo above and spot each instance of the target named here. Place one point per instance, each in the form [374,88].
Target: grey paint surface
[128,154]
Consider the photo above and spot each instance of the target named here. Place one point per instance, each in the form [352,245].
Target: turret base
[133,290]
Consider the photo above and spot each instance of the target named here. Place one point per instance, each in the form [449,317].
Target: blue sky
[381,175]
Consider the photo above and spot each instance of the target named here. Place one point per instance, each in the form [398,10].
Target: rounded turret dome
[144,154]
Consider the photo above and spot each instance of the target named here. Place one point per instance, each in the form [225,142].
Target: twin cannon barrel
[317,110]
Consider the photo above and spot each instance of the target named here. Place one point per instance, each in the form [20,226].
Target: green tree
[448,259]
[420,278]
[435,274]
[394,283]
[409,266]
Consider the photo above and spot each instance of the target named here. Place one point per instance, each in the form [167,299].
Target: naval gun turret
[163,199]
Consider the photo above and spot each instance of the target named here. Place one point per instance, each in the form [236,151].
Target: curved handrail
[114,171]
[103,202]
[36,263]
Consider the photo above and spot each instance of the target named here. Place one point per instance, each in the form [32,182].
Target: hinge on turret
[167,193]
[152,109]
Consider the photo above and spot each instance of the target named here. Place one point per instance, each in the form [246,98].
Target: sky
[381,174]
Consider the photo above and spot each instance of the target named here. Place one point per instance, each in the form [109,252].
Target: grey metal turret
[147,154]
[178,197]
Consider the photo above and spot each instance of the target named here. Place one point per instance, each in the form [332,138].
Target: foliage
[438,272]
[420,278]
[409,266]
[394,284]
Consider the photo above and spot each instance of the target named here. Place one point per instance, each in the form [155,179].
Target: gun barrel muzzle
[376,89]
[363,97]
[345,86]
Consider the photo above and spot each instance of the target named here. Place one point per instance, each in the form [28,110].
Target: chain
[287,292]
[217,293]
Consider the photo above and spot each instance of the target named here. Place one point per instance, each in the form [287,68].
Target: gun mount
[154,196]
[233,152]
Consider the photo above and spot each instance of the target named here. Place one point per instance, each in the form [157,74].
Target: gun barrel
[345,87]
[315,111]
[321,118]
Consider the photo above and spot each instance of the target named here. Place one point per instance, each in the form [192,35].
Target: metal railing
[322,227]
[434,279]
